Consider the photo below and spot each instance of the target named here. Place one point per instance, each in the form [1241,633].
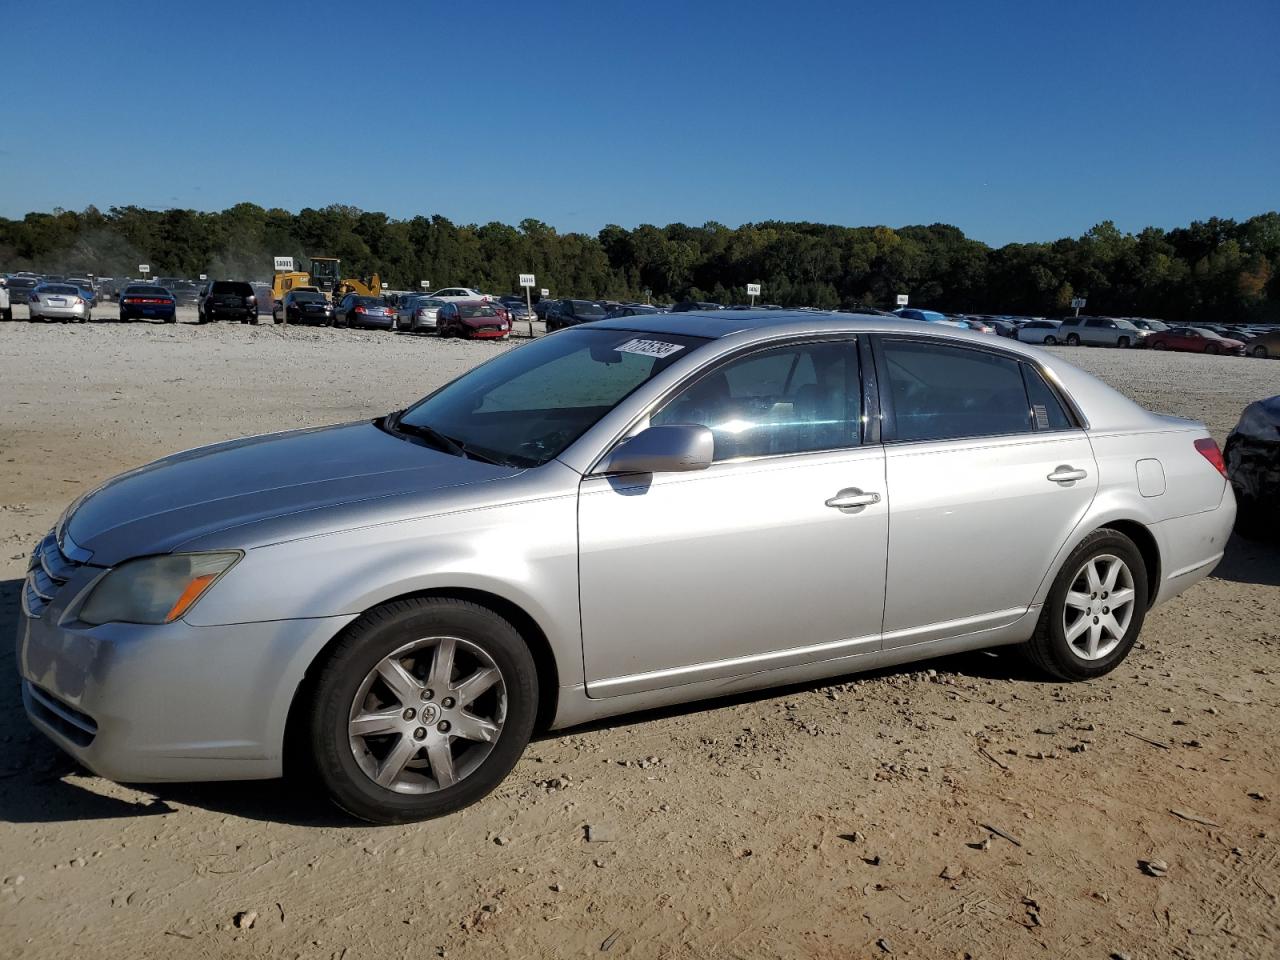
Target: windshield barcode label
[651,348]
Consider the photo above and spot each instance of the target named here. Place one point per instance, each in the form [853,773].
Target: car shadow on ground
[1250,561]
[40,784]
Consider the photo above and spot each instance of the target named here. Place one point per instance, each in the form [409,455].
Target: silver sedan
[59,301]
[625,514]
[418,313]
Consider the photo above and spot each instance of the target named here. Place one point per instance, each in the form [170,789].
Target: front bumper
[486,333]
[175,702]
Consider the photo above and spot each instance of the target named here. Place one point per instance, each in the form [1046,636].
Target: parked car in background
[458,293]
[6,305]
[1252,455]
[1040,331]
[687,306]
[59,301]
[632,310]
[187,293]
[1264,345]
[85,285]
[355,310]
[228,300]
[1002,327]
[1151,326]
[976,324]
[926,316]
[148,300]
[592,525]
[1100,332]
[20,288]
[305,306]
[1194,340]
[570,313]
[478,319]
[418,313]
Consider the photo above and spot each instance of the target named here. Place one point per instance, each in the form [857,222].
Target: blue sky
[1015,121]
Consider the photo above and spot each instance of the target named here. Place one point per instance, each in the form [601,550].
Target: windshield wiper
[436,438]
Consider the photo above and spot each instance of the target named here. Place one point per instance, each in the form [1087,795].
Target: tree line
[1213,270]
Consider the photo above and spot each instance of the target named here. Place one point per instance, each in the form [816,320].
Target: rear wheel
[1259,351]
[1094,610]
[1051,340]
[421,709]
[1159,345]
[1123,343]
[1073,339]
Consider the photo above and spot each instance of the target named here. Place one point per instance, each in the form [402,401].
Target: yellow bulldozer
[323,276]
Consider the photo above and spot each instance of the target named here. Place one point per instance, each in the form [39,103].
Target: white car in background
[1040,331]
[1101,332]
[454,294]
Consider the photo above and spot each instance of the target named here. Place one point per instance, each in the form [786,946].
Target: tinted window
[232,287]
[1047,412]
[789,400]
[941,392]
[60,290]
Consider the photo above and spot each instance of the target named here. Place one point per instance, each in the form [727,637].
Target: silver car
[621,515]
[59,301]
[418,313]
[1100,332]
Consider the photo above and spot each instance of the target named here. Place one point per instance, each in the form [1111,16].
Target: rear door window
[937,391]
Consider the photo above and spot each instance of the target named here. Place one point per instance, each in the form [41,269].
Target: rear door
[988,473]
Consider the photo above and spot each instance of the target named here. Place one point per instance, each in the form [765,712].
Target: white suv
[1100,332]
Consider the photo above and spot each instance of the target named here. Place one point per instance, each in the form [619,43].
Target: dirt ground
[957,808]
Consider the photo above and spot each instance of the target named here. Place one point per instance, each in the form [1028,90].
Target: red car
[1194,340]
[472,318]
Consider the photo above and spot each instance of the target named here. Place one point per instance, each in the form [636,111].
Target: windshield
[145,291]
[59,289]
[526,406]
[308,296]
[584,308]
[476,310]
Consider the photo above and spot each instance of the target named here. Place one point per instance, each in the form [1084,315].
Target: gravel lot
[850,819]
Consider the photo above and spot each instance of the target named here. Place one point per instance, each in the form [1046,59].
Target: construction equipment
[324,276]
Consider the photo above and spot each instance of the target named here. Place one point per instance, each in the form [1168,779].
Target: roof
[714,324]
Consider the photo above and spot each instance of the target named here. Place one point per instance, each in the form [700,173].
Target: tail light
[1208,448]
[359,309]
[250,299]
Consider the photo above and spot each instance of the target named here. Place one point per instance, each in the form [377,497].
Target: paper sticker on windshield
[651,348]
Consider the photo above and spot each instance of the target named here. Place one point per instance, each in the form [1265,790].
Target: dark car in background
[1194,340]
[357,311]
[148,301]
[306,306]
[473,318]
[20,288]
[685,306]
[631,310]
[228,300]
[570,313]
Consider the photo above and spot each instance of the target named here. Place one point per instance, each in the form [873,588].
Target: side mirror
[674,448]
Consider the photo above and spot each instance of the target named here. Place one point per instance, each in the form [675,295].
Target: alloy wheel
[1099,607]
[427,715]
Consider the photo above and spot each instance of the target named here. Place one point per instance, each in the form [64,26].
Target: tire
[1260,351]
[1212,347]
[201,318]
[1049,648]
[171,319]
[1073,339]
[252,320]
[7,314]
[1051,340]
[32,316]
[345,763]
[1123,343]
[1159,345]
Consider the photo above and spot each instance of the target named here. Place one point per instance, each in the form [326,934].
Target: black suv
[233,299]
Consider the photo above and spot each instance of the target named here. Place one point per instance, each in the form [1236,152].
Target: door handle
[853,499]
[1066,474]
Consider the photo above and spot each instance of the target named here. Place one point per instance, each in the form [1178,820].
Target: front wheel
[1211,348]
[1073,340]
[1123,343]
[422,708]
[1094,610]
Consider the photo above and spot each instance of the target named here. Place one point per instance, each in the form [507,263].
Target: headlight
[154,589]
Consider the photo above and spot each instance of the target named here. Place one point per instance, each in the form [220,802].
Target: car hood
[190,495]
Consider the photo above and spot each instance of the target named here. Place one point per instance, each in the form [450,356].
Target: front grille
[48,569]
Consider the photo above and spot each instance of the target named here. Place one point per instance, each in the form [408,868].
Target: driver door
[754,563]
